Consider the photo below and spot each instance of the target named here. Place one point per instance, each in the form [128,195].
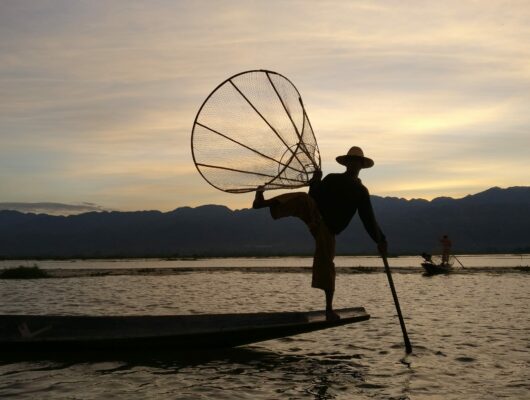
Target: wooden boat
[436,265]
[433,269]
[80,333]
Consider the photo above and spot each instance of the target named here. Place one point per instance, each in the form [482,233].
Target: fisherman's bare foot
[332,315]
[259,200]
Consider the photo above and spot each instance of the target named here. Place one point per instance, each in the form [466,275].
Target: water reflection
[469,332]
[324,375]
[320,376]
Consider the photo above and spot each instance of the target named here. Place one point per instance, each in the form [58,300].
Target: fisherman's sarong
[303,206]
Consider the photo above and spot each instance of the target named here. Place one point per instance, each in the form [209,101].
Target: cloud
[99,97]
[52,208]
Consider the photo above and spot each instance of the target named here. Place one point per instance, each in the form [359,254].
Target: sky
[99,97]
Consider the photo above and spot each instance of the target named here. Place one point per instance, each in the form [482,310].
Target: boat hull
[433,269]
[72,333]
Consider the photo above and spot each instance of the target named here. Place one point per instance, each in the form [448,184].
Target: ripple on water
[465,359]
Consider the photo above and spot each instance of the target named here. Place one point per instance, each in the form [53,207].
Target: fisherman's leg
[303,206]
[329,303]
[298,204]
[323,266]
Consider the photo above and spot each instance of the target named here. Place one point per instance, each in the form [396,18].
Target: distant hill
[496,220]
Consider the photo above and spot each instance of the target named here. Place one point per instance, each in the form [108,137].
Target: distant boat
[433,267]
[23,333]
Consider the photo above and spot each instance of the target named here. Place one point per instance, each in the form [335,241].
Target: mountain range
[496,220]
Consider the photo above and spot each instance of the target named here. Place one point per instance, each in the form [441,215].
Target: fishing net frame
[284,158]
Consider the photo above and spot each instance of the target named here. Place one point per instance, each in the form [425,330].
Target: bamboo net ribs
[252,131]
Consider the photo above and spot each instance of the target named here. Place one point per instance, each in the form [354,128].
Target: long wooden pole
[408,346]
[462,265]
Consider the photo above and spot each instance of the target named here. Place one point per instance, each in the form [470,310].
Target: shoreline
[59,273]
[238,256]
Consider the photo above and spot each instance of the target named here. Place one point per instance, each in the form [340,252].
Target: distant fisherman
[446,248]
[327,210]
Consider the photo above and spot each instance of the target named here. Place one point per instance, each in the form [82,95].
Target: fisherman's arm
[366,213]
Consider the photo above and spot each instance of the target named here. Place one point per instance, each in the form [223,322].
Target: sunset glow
[99,98]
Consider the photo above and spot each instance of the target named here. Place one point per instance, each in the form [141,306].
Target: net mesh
[253,131]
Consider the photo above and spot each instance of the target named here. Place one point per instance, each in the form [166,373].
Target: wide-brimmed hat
[355,153]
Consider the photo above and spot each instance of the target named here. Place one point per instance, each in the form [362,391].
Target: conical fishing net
[253,130]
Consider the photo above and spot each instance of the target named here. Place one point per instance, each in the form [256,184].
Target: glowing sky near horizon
[99,98]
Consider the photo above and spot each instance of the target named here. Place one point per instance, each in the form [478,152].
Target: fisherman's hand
[382,247]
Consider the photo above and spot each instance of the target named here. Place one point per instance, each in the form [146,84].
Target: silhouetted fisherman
[427,257]
[446,248]
[327,210]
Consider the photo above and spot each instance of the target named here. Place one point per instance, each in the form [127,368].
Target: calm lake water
[469,261]
[470,332]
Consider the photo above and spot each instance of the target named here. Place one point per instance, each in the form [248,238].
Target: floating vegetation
[22,272]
